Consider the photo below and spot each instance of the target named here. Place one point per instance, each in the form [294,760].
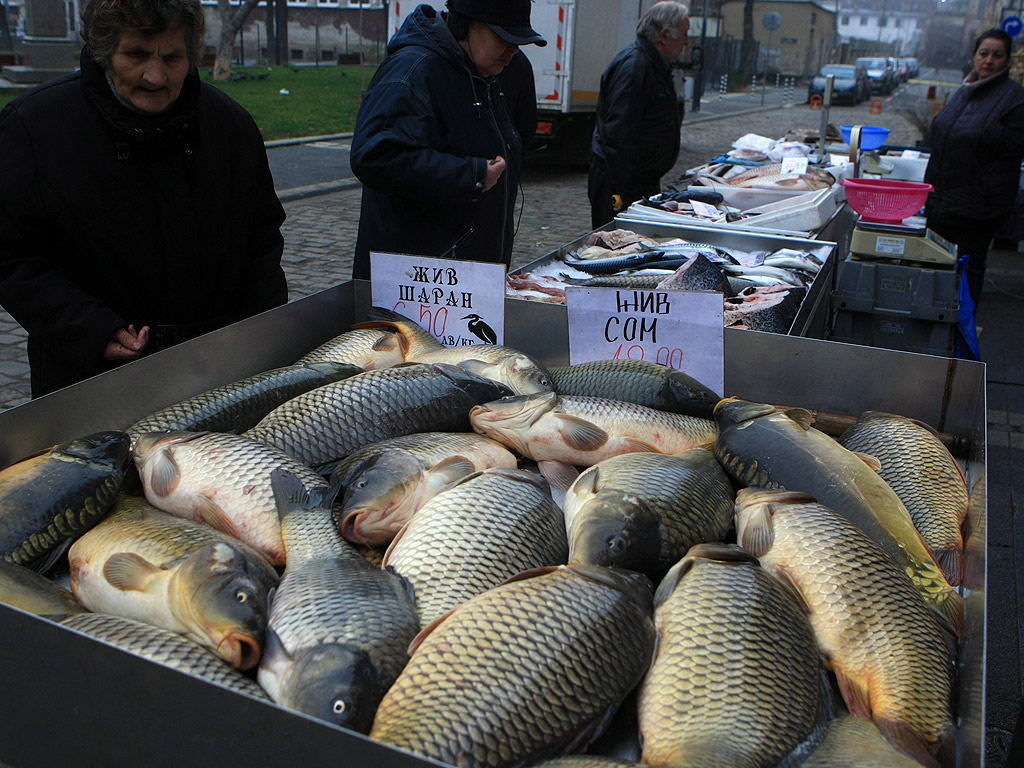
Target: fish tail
[291,494]
[949,607]
[951,563]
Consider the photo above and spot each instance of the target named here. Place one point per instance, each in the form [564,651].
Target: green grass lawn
[320,100]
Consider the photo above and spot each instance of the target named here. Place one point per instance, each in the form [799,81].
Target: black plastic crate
[915,292]
[889,331]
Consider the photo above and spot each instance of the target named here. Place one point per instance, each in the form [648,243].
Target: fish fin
[641,446]
[289,492]
[425,632]
[477,367]
[128,571]
[586,482]
[559,476]
[215,517]
[388,341]
[453,468]
[951,564]
[759,531]
[950,611]
[873,463]
[581,434]
[165,475]
[856,695]
[394,543]
[788,583]
[801,416]
[668,583]
[901,737]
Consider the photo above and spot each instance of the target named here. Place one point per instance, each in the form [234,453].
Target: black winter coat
[107,219]
[637,130]
[425,131]
[977,146]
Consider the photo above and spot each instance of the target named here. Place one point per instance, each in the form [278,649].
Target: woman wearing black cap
[435,143]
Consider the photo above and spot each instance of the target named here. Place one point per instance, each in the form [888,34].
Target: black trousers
[972,238]
[600,191]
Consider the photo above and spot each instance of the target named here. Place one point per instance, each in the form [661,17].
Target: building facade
[805,39]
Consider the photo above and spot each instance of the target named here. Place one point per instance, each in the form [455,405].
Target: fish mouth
[240,649]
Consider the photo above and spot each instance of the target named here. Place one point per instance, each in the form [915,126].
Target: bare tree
[747,49]
[232,17]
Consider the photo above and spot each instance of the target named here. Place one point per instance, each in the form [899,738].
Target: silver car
[881,73]
[851,84]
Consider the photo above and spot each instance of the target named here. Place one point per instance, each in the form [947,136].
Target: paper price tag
[794,165]
[681,329]
[459,302]
[705,210]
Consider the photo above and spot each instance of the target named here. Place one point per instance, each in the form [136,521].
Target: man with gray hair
[636,138]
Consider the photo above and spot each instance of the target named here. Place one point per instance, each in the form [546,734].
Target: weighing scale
[910,240]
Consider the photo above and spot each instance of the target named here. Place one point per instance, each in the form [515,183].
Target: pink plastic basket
[885,201]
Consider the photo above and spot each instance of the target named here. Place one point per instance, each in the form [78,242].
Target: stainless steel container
[71,700]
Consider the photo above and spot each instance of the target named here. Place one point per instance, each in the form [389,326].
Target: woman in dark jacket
[436,144]
[977,147]
[137,208]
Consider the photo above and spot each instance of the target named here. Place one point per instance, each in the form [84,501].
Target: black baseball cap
[510,19]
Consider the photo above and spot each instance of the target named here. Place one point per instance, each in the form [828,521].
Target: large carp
[147,565]
[762,447]
[735,681]
[330,422]
[528,670]
[339,628]
[49,500]
[923,473]
[370,349]
[32,592]
[885,647]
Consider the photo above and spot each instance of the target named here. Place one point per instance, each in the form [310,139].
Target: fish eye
[242,596]
[361,484]
[339,707]
[616,544]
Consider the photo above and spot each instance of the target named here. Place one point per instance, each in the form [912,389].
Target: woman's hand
[495,168]
[126,344]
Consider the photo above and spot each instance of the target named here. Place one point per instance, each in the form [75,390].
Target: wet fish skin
[516,370]
[29,591]
[150,566]
[760,446]
[164,647]
[542,662]
[637,280]
[478,533]
[586,761]
[643,511]
[582,431]
[612,264]
[333,421]
[856,742]
[637,381]
[724,625]
[368,348]
[416,340]
[386,482]
[220,479]
[240,405]
[925,476]
[339,628]
[883,643]
[49,500]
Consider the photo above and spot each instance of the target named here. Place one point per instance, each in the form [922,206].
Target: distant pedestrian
[636,139]
[977,147]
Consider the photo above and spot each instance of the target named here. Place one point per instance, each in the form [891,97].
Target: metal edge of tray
[121,707]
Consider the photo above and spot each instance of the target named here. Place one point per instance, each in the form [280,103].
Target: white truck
[583,36]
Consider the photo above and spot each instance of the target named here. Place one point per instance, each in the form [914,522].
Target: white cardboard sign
[459,302]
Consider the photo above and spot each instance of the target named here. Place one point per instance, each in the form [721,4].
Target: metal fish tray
[72,700]
[812,316]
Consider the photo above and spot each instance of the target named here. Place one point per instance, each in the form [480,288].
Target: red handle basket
[885,201]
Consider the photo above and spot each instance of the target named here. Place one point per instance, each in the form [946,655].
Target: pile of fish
[768,176]
[495,564]
[760,290]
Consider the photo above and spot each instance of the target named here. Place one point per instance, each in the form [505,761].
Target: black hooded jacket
[108,219]
[424,133]
[977,146]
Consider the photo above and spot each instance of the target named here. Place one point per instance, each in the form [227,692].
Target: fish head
[509,419]
[732,411]
[381,493]
[615,529]
[111,448]
[335,683]
[222,597]
[524,375]
[689,395]
[479,388]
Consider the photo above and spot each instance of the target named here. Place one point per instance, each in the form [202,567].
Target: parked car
[913,66]
[902,70]
[882,75]
[851,84]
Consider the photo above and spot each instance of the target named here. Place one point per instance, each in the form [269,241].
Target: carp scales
[636,381]
[643,511]
[238,406]
[856,742]
[164,647]
[884,645]
[52,498]
[924,474]
[762,447]
[146,565]
[339,628]
[586,761]
[735,680]
[481,531]
[556,431]
[330,422]
[531,669]
[386,482]
[219,479]
[32,592]
[369,348]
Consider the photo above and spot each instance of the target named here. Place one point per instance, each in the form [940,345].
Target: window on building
[897,22]
[883,22]
[863,21]
[814,17]
[845,20]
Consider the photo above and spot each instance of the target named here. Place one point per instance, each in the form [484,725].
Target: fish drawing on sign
[481,329]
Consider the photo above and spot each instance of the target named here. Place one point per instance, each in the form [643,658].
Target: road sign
[773,20]
[1012,25]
